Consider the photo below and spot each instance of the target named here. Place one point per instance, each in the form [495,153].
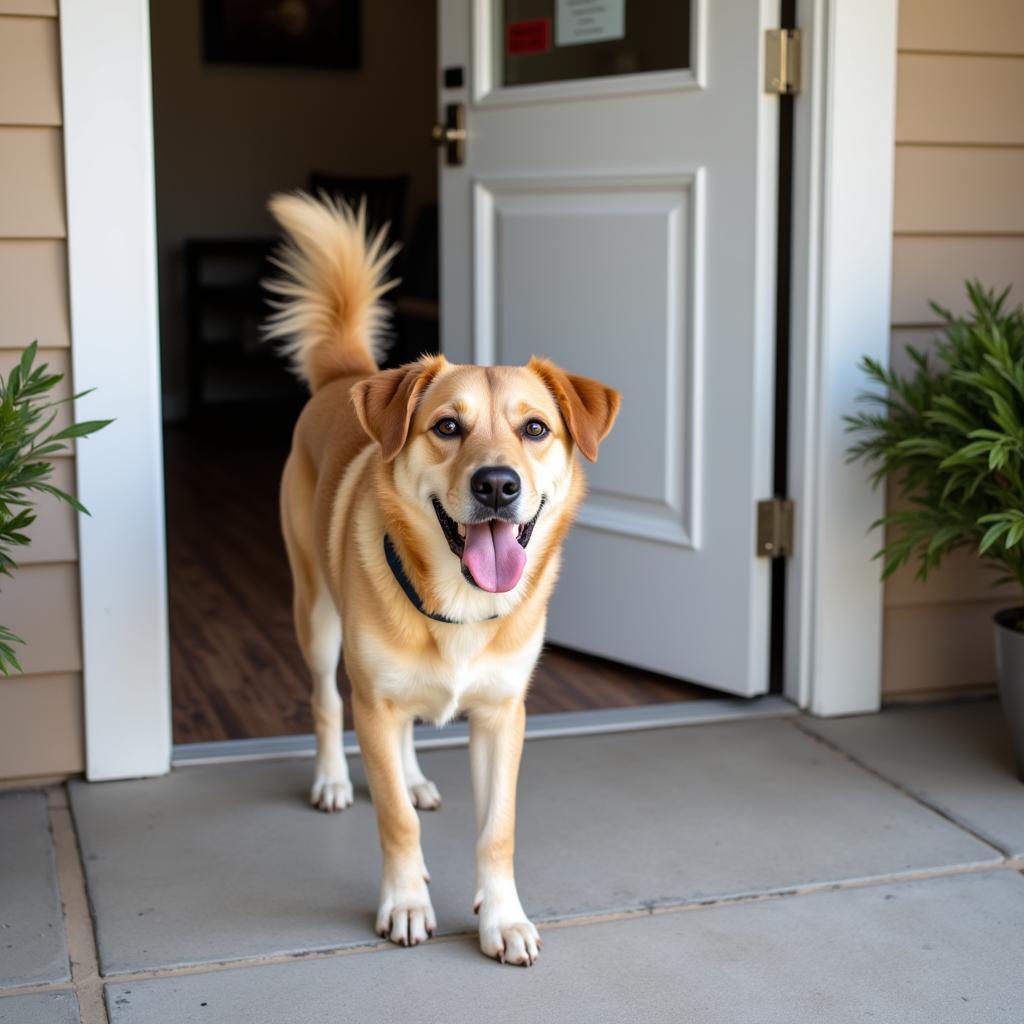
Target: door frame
[844,151]
[111,232]
[842,245]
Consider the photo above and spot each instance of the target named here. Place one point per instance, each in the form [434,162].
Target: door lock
[452,134]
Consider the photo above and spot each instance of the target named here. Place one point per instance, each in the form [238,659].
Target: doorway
[227,136]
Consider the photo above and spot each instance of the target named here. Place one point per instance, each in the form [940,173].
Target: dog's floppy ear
[587,406]
[386,401]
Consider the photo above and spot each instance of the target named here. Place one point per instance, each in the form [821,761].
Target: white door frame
[111,229]
[842,242]
[844,149]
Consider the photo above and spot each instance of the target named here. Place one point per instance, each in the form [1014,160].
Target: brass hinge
[782,61]
[775,528]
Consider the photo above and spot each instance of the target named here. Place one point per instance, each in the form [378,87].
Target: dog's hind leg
[424,794]
[318,627]
[332,790]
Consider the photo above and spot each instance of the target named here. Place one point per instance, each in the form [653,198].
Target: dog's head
[482,458]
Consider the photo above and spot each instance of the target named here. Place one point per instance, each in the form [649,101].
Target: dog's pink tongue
[493,555]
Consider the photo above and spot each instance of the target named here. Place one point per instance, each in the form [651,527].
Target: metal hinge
[782,61]
[775,528]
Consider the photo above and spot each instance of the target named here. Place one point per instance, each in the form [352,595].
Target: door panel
[597,270]
[623,225]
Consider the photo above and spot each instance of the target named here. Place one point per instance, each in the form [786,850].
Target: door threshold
[538,727]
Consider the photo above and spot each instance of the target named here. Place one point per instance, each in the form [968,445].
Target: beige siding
[29,71]
[962,26]
[40,711]
[45,615]
[962,190]
[959,213]
[929,268]
[959,100]
[44,8]
[32,172]
[938,647]
[34,293]
[48,739]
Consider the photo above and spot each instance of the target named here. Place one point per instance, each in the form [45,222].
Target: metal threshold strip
[538,727]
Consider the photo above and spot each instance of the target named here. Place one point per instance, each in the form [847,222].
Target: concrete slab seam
[557,924]
[900,788]
[78,914]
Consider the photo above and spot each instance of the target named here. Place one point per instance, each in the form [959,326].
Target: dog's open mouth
[493,552]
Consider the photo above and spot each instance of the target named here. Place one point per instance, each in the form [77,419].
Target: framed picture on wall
[285,33]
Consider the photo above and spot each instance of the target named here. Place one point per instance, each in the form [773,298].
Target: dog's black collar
[397,570]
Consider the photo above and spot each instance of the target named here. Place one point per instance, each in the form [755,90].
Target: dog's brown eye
[447,427]
[535,429]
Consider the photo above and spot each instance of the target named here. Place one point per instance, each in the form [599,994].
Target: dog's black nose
[495,486]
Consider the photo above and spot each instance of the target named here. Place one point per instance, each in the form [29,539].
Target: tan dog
[423,510]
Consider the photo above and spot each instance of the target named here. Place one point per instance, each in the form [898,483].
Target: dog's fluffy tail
[328,310]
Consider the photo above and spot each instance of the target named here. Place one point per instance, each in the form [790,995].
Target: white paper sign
[589,21]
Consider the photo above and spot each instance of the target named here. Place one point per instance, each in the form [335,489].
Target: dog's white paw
[331,791]
[425,795]
[505,931]
[406,915]
[514,943]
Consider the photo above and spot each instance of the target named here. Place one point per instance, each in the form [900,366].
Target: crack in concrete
[78,924]
[921,801]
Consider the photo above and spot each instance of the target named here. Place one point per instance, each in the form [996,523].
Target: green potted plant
[27,447]
[950,436]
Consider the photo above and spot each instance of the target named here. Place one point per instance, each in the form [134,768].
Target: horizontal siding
[41,713]
[29,71]
[962,26]
[929,268]
[959,214]
[959,580]
[41,725]
[53,537]
[40,604]
[34,293]
[47,8]
[936,647]
[959,100]
[31,183]
[953,190]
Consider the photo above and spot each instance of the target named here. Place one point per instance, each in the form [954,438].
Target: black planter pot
[1010,667]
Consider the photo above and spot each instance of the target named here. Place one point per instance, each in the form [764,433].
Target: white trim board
[538,727]
[842,275]
[108,167]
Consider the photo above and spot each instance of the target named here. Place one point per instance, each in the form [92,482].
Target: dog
[423,511]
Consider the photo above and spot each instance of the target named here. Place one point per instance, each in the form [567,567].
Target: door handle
[452,134]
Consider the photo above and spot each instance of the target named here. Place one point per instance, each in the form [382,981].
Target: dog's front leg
[405,914]
[495,747]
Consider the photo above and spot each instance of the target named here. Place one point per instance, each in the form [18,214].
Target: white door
[616,212]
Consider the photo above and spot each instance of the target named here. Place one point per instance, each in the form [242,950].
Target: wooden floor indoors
[236,670]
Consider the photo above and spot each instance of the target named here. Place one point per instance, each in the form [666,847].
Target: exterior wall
[40,711]
[959,213]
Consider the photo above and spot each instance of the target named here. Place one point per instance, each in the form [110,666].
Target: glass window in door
[559,40]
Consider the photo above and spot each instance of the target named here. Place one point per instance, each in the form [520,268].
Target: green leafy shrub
[27,447]
[951,437]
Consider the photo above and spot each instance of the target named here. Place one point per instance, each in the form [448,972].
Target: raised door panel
[595,274]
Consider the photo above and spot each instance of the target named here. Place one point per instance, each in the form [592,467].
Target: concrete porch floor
[788,870]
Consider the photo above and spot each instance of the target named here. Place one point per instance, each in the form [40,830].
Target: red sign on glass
[526,37]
